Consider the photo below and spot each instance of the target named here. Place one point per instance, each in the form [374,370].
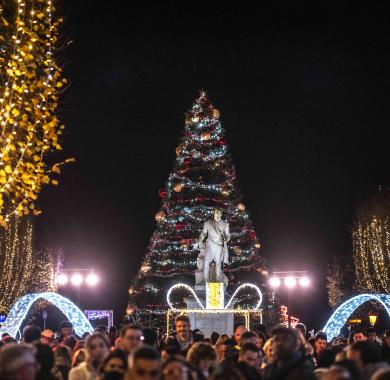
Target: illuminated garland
[23,270]
[20,309]
[344,311]
[371,246]
[30,82]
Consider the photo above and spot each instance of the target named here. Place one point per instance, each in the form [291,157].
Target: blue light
[21,307]
[344,311]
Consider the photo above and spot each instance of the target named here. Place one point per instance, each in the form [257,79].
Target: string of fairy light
[16,254]
[371,245]
[22,269]
[30,84]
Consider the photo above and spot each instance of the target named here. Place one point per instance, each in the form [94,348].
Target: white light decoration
[226,308]
[344,311]
[62,279]
[22,306]
[290,282]
[274,282]
[243,286]
[304,282]
[92,279]
[76,279]
[178,286]
[215,295]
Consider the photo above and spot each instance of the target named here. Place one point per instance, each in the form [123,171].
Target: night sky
[304,95]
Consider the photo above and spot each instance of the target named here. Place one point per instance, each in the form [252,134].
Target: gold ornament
[130,310]
[178,187]
[216,113]
[145,267]
[195,119]
[257,245]
[178,150]
[160,216]
[225,192]
[205,136]
[241,207]
[237,250]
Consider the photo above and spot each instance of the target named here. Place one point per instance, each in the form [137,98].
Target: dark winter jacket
[298,368]
[173,343]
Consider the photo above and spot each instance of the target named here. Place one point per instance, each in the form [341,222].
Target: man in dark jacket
[183,337]
[290,364]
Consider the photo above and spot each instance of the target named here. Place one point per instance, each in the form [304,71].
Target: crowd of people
[136,353]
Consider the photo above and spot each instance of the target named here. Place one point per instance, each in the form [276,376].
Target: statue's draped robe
[216,235]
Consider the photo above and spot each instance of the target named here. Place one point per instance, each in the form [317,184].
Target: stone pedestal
[208,322]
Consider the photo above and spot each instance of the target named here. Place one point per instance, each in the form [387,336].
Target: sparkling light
[76,279]
[274,282]
[92,279]
[343,312]
[243,286]
[62,279]
[21,308]
[290,282]
[304,282]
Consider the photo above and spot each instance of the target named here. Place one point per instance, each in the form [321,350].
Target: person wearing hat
[47,336]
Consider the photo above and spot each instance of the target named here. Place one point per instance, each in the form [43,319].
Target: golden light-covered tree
[22,269]
[371,243]
[30,83]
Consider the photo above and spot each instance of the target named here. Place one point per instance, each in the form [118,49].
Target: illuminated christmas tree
[371,243]
[203,178]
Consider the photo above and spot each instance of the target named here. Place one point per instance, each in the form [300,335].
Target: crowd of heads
[137,353]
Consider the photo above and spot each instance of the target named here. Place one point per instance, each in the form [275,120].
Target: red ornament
[221,142]
[187,161]
[162,192]
[252,234]
[179,226]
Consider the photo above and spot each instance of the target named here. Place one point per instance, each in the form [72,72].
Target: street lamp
[372,316]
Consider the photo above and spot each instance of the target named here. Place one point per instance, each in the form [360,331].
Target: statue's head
[217,214]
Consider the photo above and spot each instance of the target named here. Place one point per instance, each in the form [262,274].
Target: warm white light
[77,279]
[304,282]
[62,279]
[92,279]
[290,282]
[274,282]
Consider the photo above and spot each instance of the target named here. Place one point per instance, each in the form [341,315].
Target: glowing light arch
[343,312]
[185,286]
[21,307]
[247,285]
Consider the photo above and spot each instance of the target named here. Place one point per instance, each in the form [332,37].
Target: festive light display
[216,290]
[16,261]
[183,286]
[250,286]
[23,270]
[30,83]
[203,177]
[342,313]
[20,309]
[93,315]
[215,296]
[371,246]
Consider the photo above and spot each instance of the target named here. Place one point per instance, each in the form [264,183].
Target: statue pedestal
[209,320]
